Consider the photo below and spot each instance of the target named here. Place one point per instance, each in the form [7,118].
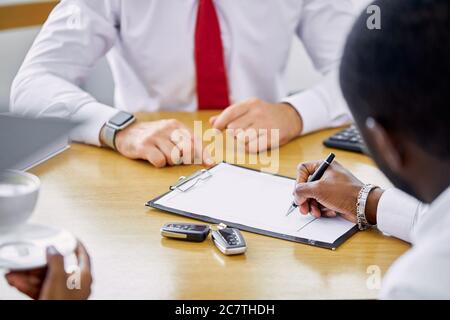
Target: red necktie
[212,86]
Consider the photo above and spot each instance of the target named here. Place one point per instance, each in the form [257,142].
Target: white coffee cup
[18,196]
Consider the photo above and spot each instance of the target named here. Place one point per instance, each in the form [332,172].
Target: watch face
[121,118]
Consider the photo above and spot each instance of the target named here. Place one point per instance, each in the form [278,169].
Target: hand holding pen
[314,177]
[334,194]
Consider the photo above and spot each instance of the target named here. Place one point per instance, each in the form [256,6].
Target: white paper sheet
[254,199]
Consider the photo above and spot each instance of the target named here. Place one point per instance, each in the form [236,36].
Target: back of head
[400,74]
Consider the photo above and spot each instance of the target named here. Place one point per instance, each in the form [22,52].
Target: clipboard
[200,179]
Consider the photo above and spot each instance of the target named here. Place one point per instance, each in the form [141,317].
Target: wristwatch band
[109,136]
[117,123]
[361,202]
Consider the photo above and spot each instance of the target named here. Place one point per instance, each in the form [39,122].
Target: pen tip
[330,157]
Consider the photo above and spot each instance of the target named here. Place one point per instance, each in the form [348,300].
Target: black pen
[314,177]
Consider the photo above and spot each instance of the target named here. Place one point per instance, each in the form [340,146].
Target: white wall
[14,45]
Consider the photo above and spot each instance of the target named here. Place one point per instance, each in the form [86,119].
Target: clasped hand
[170,142]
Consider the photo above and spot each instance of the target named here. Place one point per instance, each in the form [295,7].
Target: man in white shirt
[183,56]
[395,81]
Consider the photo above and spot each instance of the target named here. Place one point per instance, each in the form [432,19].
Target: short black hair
[400,74]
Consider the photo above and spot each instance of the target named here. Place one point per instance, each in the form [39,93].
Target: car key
[185,231]
[230,241]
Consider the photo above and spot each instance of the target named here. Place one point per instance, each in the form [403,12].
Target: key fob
[229,241]
[185,231]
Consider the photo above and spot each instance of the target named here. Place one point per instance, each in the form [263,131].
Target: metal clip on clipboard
[186,183]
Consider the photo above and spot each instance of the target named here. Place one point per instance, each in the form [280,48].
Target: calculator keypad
[350,134]
[347,139]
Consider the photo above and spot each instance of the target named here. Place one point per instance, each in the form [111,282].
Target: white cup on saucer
[18,196]
[23,244]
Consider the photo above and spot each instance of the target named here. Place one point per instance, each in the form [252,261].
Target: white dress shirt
[424,271]
[149,46]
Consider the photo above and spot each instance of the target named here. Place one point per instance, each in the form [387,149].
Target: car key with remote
[185,231]
[230,241]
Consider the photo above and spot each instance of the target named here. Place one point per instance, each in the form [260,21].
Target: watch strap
[109,135]
[117,123]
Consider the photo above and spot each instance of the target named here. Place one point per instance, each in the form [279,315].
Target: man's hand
[163,142]
[335,193]
[257,114]
[51,282]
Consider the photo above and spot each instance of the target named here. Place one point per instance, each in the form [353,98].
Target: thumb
[55,263]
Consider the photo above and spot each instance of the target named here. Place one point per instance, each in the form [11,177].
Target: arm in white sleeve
[323,28]
[398,213]
[76,34]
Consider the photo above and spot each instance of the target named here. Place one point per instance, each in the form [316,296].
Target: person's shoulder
[421,273]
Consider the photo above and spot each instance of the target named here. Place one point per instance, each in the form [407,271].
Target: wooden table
[99,196]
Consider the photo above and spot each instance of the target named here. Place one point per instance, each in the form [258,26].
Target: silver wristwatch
[117,123]
[361,202]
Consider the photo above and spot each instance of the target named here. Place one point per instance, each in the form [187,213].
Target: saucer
[25,247]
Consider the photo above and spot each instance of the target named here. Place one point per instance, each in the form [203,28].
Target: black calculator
[347,139]
[185,231]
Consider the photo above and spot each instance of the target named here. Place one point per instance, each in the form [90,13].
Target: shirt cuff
[396,214]
[309,106]
[92,117]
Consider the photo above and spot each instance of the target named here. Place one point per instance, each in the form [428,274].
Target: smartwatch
[117,123]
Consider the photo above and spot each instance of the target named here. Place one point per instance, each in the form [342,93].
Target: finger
[263,142]
[11,278]
[329,213]
[184,140]
[155,156]
[34,272]
[30,279]
[212,120]
[34,280]
[304,208]
[243,122]
[200,152]
[170,151]
[253,143]
[187,148]
[229,114]
[247,139]
[326,212]
[303,204]
[348,216]
[84,261]
[206,156]
[23,286]
[315,211]
[306,169]
[33,277]
[55,263]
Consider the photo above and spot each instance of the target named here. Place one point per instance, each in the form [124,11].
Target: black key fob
[185,231]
